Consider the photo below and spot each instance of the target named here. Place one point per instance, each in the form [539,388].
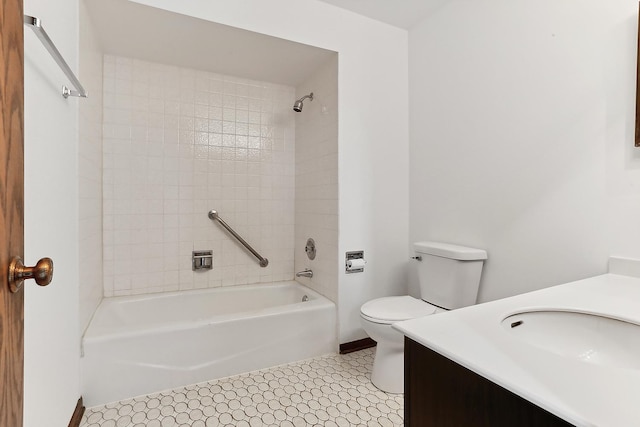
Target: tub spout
[305,273]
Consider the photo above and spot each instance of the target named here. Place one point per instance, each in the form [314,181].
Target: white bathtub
[142,344]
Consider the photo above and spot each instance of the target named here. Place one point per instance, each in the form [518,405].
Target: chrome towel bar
[213,215]
[36,26]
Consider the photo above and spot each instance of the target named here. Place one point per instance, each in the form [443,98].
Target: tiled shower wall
[317,179]
[177,143]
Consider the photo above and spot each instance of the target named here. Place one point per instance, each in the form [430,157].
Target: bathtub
[143,344]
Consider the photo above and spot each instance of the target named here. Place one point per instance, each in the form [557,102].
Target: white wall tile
[172,152]
[316,189]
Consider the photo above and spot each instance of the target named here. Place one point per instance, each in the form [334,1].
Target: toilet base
[388,368]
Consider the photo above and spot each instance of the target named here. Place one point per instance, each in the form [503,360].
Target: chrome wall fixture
[310,249]
[354,262]
[213,215]
[305,273]
[201,260]
[297,106]
[36,25]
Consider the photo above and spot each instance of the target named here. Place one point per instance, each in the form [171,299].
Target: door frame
[11,210]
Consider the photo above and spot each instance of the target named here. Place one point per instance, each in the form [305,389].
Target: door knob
[42,272]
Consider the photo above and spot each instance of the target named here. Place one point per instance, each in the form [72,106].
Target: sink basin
[585,337]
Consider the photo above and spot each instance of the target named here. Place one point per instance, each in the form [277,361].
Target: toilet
[449,276]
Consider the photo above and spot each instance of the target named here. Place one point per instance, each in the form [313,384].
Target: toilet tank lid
[447,250]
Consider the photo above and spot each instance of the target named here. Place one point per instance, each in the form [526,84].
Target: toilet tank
[449,274]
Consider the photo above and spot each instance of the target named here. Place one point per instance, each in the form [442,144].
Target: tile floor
[332,390]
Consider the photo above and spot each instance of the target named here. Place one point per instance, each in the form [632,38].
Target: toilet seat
[389,310]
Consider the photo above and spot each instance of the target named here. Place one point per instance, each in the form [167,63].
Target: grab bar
[213,215]
[36,26]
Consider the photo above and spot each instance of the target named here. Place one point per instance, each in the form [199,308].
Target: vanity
[561,356]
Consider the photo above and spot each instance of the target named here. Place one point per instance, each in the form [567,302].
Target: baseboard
[350,347]
[76,418]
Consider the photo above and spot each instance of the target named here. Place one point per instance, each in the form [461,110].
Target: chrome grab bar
[36,26]
[214,216]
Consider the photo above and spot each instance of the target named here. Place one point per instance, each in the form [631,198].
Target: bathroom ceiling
[399,13]
[133,30]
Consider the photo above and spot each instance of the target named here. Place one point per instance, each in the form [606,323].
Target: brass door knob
[42,272]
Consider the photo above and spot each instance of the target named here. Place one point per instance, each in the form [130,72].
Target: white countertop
[581,393]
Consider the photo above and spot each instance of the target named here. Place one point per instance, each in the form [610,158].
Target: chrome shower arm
[310,96]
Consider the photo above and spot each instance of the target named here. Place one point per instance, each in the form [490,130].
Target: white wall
[316,200]
[521,128]
[623,159]
[90,171]
[51,220]
[179,142]
[373,131]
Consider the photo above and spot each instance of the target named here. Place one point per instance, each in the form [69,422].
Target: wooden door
[11,209]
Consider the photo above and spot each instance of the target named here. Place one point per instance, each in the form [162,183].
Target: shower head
[297,106]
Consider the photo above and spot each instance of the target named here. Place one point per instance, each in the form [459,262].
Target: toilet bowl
[449,277]
[376,317]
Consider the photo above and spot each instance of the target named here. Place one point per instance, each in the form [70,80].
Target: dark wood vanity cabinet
[441,393]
